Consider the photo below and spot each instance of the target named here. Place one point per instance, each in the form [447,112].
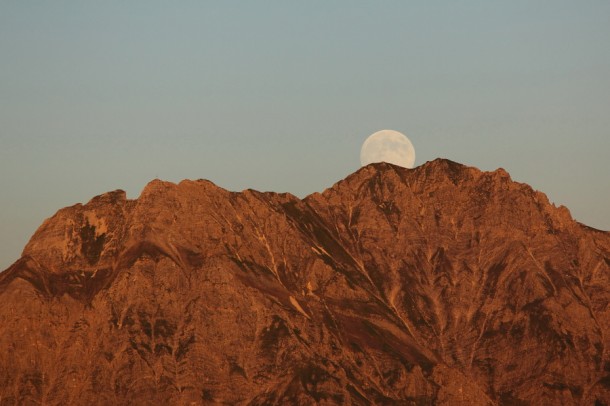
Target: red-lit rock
[437,285]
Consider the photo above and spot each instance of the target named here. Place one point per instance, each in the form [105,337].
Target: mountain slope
[437,285]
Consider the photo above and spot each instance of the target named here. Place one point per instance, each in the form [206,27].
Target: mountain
[441,284]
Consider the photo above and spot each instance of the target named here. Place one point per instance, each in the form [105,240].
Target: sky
[279,96]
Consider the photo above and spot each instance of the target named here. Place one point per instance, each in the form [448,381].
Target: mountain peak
[438,285]
[115,197]
[432,171]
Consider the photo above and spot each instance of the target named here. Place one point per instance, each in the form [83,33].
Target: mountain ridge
[437,285]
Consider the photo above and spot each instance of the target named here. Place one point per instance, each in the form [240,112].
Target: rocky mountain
[437,285]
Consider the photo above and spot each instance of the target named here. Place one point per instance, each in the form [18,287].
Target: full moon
[388,146]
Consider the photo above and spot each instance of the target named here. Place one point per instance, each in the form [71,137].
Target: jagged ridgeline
[437,285]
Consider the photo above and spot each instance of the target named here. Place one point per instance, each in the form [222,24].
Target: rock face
[437,285]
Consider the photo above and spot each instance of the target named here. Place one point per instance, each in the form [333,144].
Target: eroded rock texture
[438,285]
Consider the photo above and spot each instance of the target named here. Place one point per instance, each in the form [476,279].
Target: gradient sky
[277,95]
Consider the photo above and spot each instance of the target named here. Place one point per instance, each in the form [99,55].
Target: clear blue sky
[277,95]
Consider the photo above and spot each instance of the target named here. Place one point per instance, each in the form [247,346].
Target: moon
[388,146]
